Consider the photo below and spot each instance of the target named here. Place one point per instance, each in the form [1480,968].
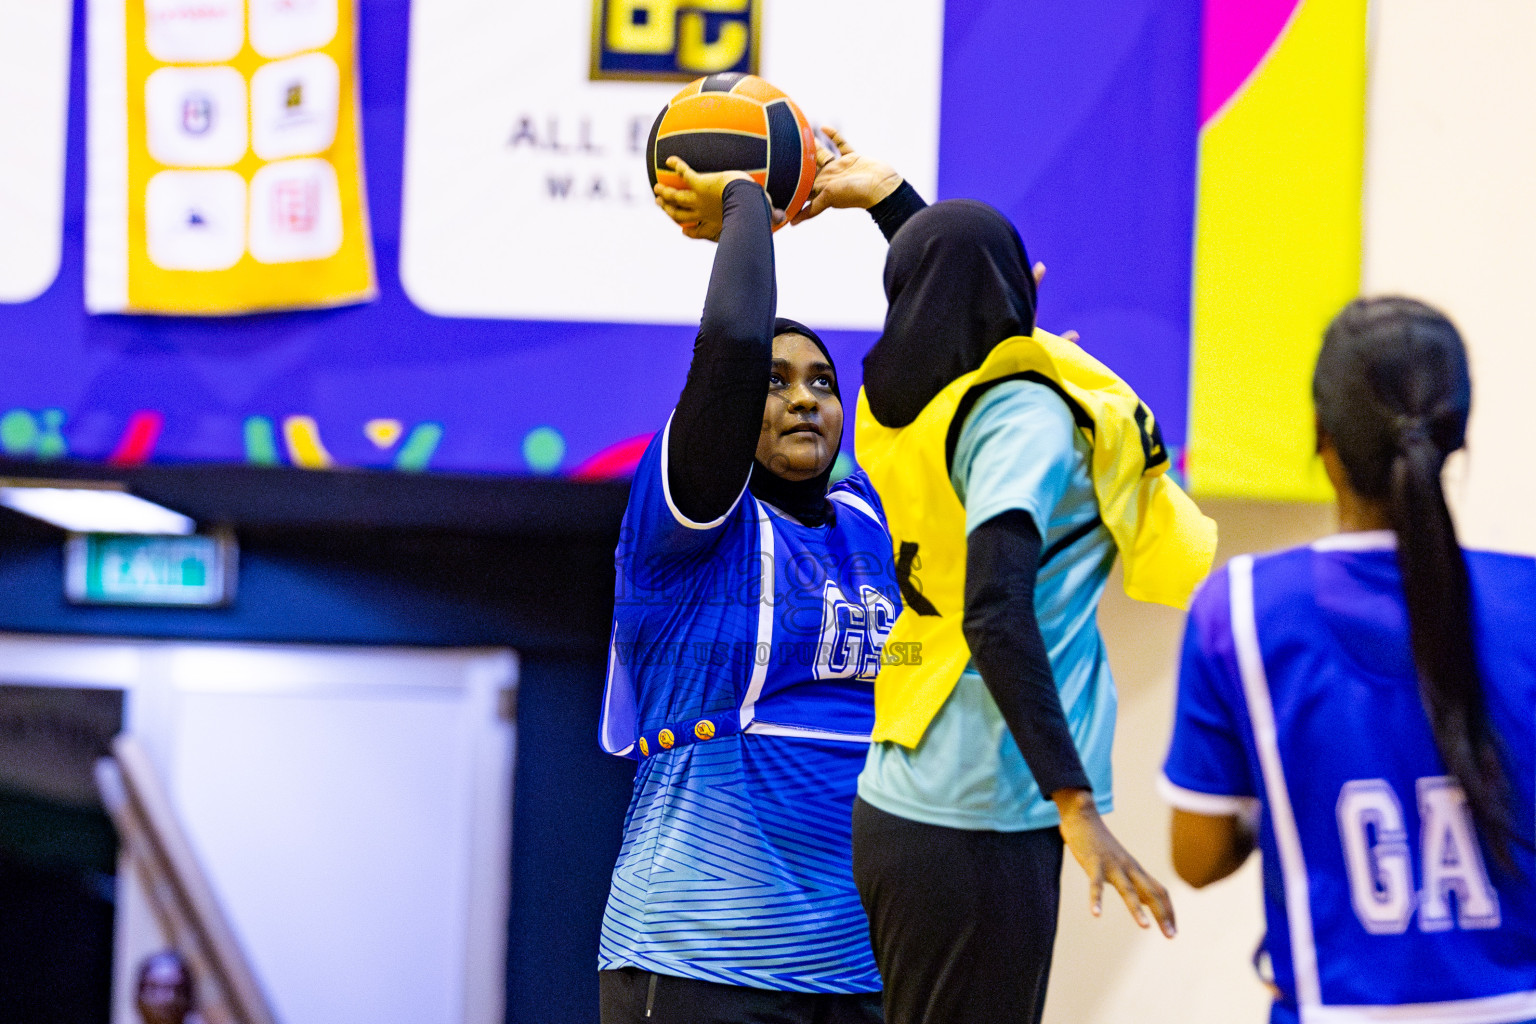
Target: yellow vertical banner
[243,171]
[1277,242]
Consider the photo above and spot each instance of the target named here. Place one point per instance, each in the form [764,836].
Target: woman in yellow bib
[1013,468]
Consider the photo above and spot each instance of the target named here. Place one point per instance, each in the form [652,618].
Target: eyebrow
[814,367]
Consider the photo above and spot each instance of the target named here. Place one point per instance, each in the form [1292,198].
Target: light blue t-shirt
[1018,449]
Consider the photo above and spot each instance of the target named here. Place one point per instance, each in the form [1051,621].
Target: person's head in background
[164,994]
[1392,394]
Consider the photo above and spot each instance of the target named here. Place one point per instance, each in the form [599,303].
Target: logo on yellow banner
[665,40]
[244,173]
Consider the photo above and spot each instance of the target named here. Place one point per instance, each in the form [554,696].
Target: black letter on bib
[909,593]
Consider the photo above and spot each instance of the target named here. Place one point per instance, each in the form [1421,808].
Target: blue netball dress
[1298,696]
[741,675]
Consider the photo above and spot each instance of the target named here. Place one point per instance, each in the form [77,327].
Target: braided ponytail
[1393,395]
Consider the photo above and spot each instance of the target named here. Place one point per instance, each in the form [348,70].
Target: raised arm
[715,426]
[849,180]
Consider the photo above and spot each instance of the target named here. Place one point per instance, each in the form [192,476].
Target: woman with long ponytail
[1363,710]
[1392,395]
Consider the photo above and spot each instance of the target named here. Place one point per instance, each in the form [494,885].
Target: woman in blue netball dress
[753,600]
[1362,710]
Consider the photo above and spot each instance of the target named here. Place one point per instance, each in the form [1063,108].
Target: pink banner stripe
[1237,36]
[614,462]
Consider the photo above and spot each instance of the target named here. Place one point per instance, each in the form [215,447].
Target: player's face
[803,419]
[164,995]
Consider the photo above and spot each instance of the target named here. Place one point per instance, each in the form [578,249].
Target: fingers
[681,197]
[679,214]
[1117,877]
[843,145]
[824,156]
[1096,890]
[778,215]
[1072,336]
[818,202]
[1039,270]
[683,203]
[684,218]
[1151,893]
[688,174]
[1141,893]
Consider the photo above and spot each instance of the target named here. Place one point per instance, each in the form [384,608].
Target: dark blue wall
[548,599]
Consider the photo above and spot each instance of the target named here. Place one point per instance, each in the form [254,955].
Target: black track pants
[963,922]
[632,996]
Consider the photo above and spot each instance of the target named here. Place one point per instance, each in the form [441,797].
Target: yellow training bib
[1166,544]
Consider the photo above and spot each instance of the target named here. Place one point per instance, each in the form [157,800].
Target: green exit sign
[124,569]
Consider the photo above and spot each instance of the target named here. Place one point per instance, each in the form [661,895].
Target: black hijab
[958,282]
[806,500]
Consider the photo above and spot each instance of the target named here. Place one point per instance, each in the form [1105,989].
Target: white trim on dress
[1261,713]
[1510,1008]
[1361,540]
[761,728]
[617,702]
[853,501]
[1215,805]
[765,597]
[666,486]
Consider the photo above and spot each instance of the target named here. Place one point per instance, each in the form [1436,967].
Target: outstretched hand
[1102,857]
[699,206]
[846,179]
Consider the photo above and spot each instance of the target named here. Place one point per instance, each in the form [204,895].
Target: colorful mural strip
[1251,108]
[1277,238]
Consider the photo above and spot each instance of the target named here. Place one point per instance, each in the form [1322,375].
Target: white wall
[1450,217]
[34,101]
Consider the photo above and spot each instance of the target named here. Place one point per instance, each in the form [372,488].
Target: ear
[1338,476]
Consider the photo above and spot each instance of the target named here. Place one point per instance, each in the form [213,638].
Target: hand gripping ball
[736,122]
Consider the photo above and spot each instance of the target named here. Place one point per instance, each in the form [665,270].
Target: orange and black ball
[736,122]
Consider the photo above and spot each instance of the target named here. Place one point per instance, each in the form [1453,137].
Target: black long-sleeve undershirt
[719,416]
[896,209]
[1001,565]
